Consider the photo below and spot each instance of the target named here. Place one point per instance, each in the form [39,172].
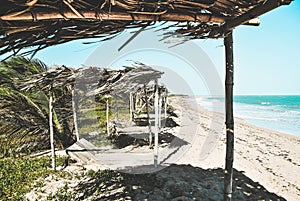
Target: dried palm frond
[43,23]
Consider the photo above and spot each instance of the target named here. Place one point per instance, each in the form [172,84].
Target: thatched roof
[107,81]
[42,23]
[135,76]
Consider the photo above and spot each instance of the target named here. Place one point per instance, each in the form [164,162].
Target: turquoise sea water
[281,113]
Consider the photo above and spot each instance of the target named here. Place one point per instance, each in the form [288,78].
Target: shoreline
[266,156]
[261,122]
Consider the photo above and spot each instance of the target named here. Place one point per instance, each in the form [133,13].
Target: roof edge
[254,13]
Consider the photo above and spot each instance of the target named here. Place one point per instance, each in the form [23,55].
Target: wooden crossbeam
[124,16]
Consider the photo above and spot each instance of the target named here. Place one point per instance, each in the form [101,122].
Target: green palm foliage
[24,126]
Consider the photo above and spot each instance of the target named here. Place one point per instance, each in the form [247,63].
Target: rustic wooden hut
[108,82]
[41,23]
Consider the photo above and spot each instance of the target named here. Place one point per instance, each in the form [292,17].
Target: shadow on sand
[176,182]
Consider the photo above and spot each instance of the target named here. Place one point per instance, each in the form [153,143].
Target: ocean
[280,113]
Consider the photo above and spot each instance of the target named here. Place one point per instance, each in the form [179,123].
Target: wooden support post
[156,107]
[130,106]
[117,113]
[51,129]
[107,115]
[228,42]
[133,104]
[75,115]
[148,116]
[166,106]
[159,109]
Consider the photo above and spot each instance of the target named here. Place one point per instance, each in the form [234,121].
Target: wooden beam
[253,22]
[228,42]
[91,15]
[254,13]
[144,105]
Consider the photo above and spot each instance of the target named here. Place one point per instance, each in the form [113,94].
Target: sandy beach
[266,164]
[266,156]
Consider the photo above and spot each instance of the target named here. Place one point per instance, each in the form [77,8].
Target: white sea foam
[278,117]
[265,103]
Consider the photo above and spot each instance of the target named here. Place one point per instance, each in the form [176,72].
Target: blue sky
[267,58]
